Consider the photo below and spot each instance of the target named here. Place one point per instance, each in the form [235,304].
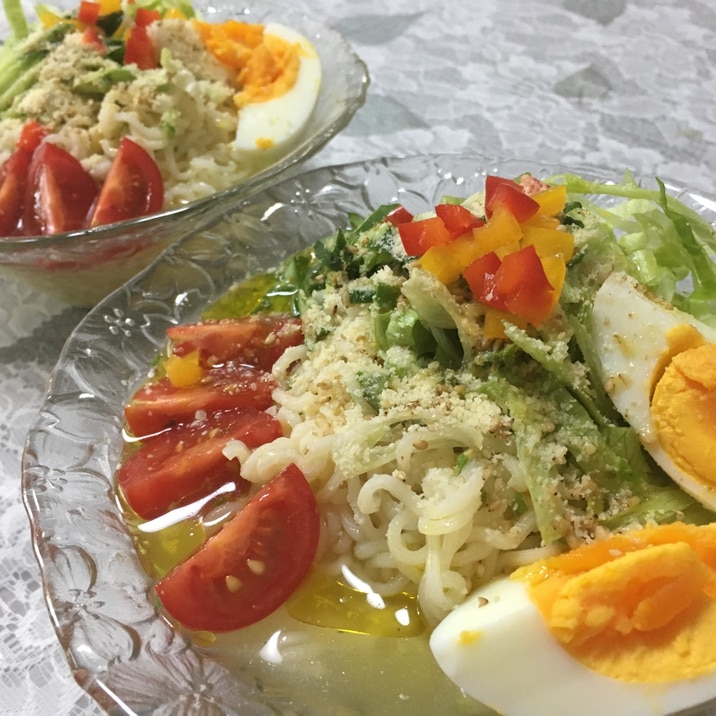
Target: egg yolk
[683,411]
[266,65]
[679,338]
[638,607]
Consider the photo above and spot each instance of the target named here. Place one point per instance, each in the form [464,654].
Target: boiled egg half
[278,72]
[621,627]
[280,85]
[659,368]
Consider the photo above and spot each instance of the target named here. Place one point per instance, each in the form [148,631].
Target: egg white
[496,647]
[278,121]
[629,331]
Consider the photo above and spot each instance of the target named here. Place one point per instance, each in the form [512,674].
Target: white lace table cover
[625,84]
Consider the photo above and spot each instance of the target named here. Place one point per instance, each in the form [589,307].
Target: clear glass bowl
[118,648]
[82,267]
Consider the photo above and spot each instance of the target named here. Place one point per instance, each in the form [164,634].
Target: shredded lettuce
[670,245]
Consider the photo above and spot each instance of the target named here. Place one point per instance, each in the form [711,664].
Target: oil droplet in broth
[323,600]
[162,550]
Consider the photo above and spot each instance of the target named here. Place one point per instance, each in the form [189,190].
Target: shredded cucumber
[16,19]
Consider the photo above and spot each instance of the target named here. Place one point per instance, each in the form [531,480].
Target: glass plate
[78,276]
[118,648]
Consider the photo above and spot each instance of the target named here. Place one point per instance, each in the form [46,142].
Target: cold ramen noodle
[143,94]
[487,427]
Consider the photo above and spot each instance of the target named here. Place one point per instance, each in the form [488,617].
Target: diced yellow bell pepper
[184,371]
[552,200]
[500,234]
[174,13]
[47,17]
[542,221]
[442,262]
[502,230]
[494,325]
[508,248]
[549,242]
[555,270]
[109,6]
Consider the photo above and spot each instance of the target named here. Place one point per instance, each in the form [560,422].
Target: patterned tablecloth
[626,84]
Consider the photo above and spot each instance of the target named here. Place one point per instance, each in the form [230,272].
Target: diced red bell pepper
[522,281]
[139,50]
[88,12]
[419,236]
[481,277]
[499,190]
[92,37]
[492,183]
[146,16]
[517,284]
[457,219]
[399,216]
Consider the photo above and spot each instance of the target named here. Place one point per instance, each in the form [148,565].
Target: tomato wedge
[31,135]
[13,185]
[134,186]
[250,568]
[59,192]
[186,462]
[255,340]
[159,404]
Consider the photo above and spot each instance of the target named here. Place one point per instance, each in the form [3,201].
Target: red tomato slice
[13,185]
[159,404]
[31,135]
[186,462]
[457,219]
[419,236]
[138,50]
[399,216]
[134,186]
[59,192]
[256,340]
[253,565]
